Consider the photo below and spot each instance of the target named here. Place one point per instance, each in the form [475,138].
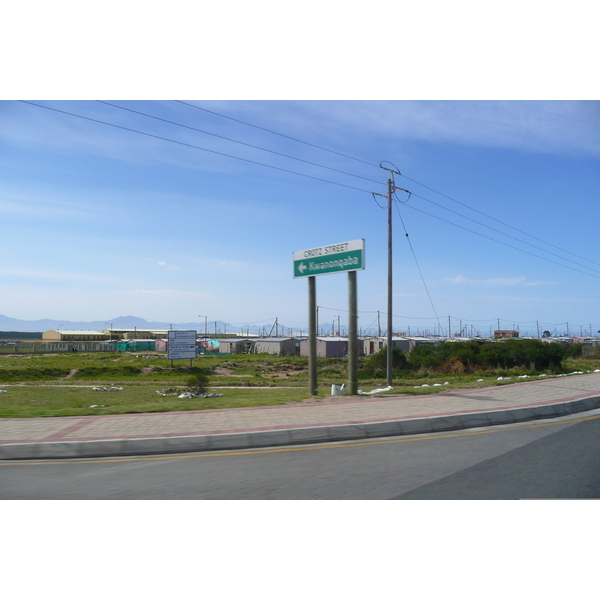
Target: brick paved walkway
[333,411]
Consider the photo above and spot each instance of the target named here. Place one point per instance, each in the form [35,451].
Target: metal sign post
[335,258]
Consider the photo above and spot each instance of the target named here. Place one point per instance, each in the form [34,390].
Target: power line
[289,137]
[322,179]
[499,242]
[499,221]
[222,137]
[417,263]
[346,310]
[502,233]
[158,137]
[402,175]
[410,179]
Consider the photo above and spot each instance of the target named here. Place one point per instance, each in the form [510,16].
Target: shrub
[376,364]
[425,356]
[198,383]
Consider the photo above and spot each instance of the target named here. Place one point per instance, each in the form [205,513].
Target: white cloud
[162,263]
[543,126]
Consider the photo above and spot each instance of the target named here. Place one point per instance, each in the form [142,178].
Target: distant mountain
[131,322]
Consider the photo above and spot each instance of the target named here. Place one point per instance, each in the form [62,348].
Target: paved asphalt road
[558,458]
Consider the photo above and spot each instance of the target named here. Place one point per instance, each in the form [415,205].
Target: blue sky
[101,222]
[496,113]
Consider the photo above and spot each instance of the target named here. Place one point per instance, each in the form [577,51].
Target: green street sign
[334,258]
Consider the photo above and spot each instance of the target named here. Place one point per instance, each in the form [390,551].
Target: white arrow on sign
[302,267]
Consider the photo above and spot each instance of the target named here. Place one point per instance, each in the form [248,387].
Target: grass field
[62,384]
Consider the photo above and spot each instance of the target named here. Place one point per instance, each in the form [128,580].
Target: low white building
[72,335]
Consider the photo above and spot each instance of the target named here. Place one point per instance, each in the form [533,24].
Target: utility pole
[205,326]
[389,290]
[379,325]
[449,327]
[391,188]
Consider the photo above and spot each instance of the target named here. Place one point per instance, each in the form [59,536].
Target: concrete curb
[289,437]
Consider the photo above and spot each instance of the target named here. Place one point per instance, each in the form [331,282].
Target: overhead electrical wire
[308,162]
[499,221]
[500,242]
[319,178]
[289,137]
[410,179]
[502,233]
[417,263]
[158,137]
[347,310]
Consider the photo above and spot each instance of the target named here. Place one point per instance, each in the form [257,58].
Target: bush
[425,356]
[459,357]
[198,383]
[376,364]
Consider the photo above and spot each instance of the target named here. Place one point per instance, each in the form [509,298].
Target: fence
[51,347]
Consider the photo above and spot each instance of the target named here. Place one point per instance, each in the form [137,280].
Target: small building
[405,343]
[236,346]
[136,345]
[327,347]
[279,346]
[375,344]
[506,333]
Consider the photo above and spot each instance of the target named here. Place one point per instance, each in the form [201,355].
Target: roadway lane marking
[274,450]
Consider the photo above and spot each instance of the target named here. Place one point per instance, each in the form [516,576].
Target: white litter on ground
[168,392]
[338,390]
[479,380]
[3,391]
[434,385]
[378,391]
[523,377]
[190,395]
[105,389]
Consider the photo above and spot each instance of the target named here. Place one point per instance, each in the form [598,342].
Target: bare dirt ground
[223,372]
